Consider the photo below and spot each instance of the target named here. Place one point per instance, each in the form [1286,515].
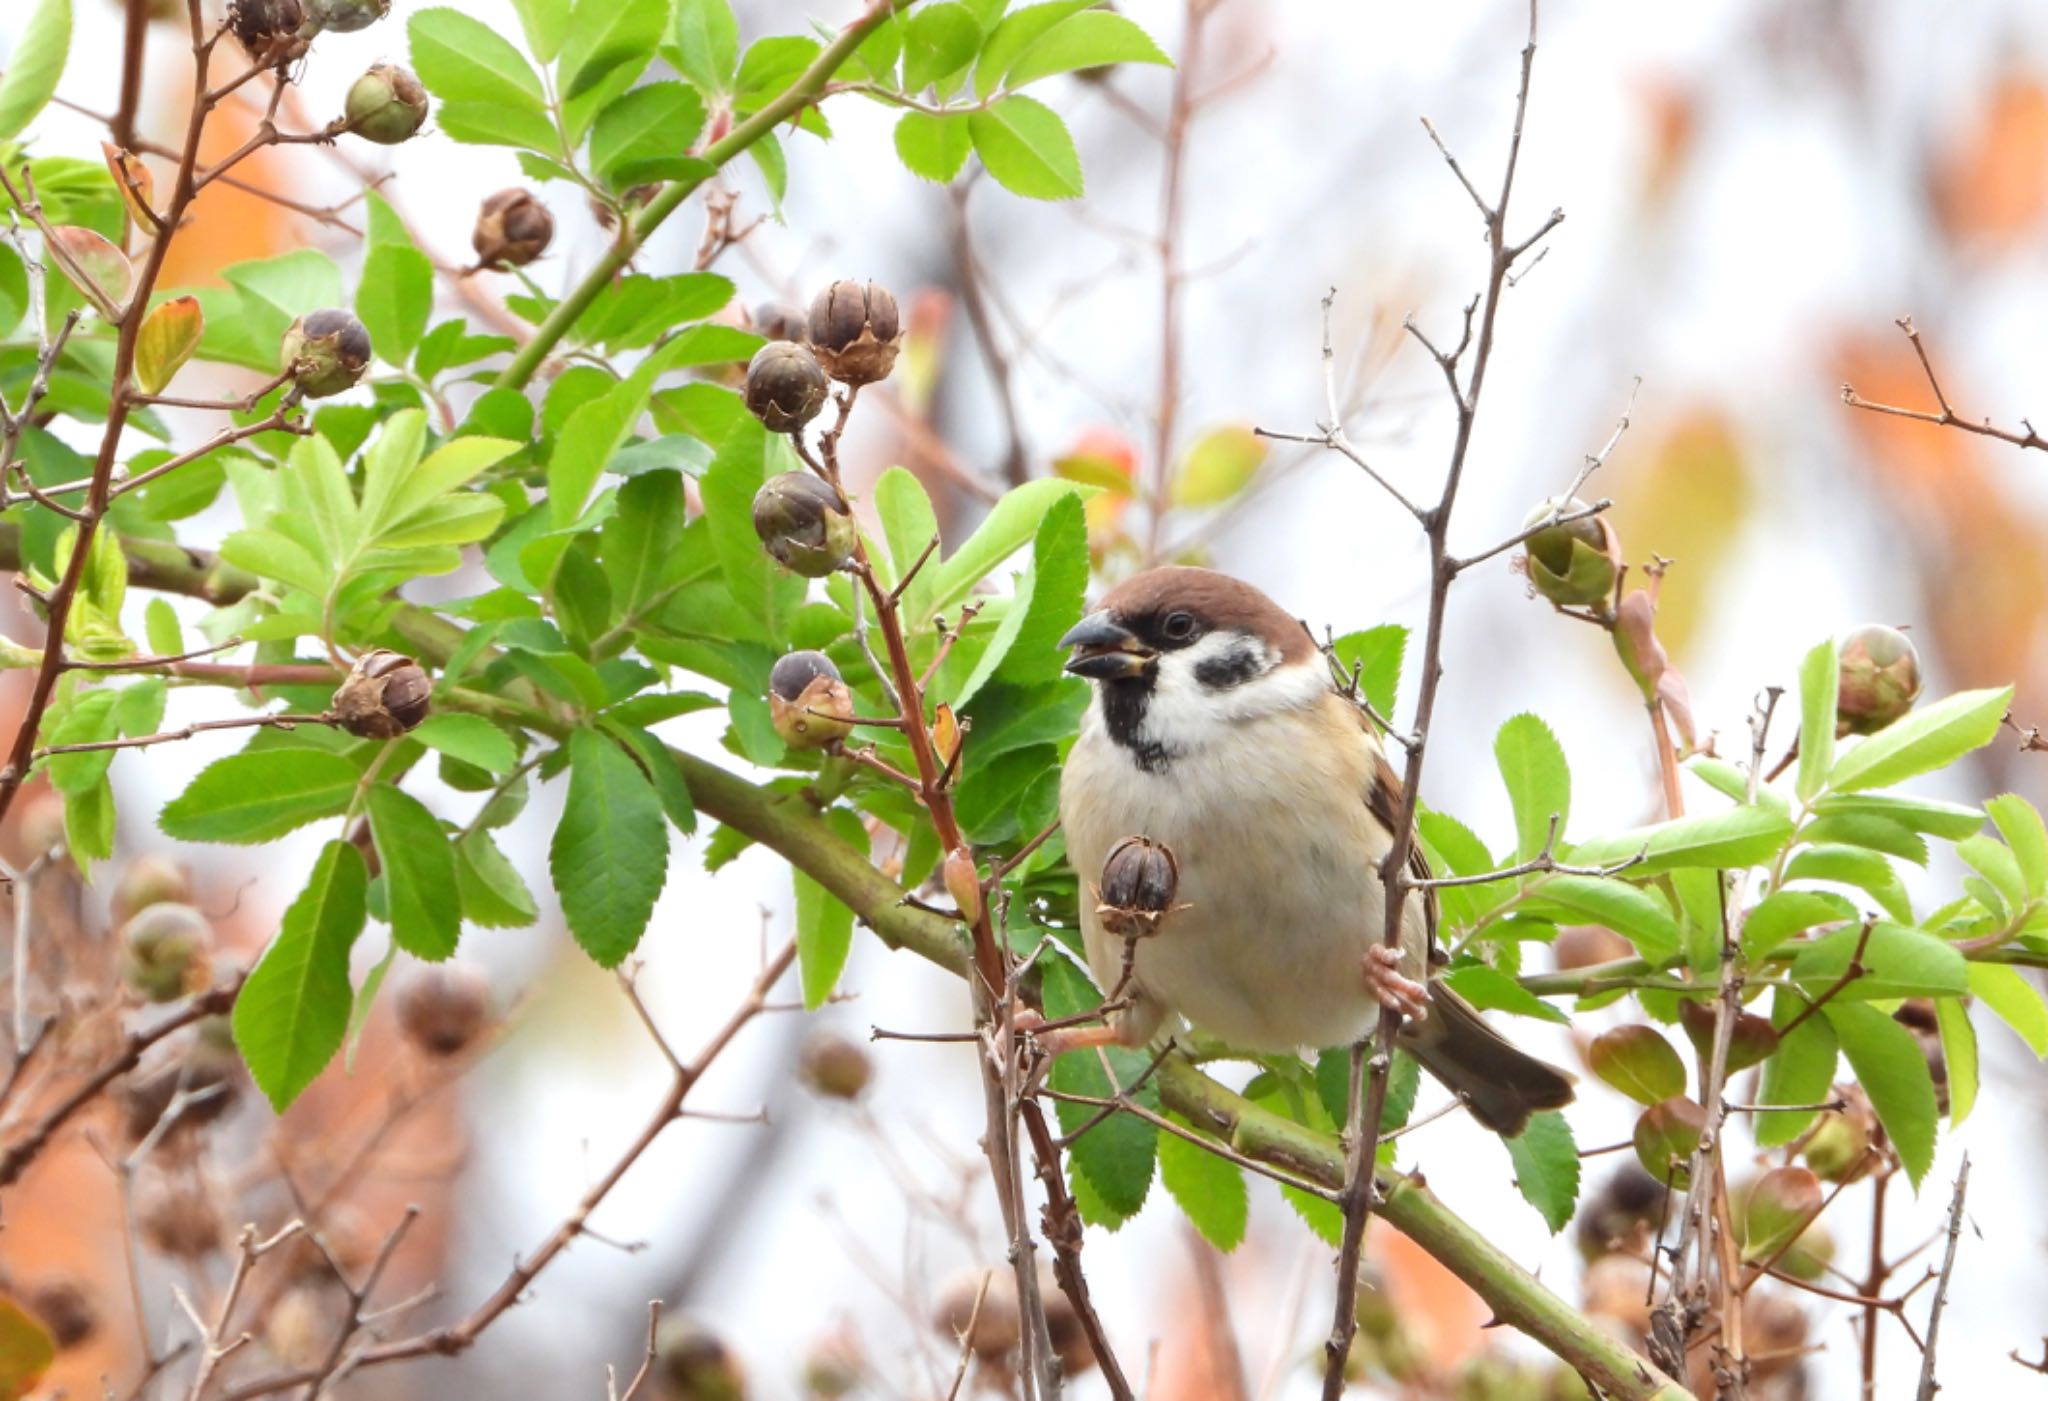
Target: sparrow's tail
[1501,1084]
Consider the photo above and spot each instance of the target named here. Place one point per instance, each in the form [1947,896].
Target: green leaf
[26,1350]
[1016,33]
[1893,1071]
[2021,827]
[1819,675]
[824,925]
[1800,1071]
[2016,1002]
[420,894]
[161,629]
[89,824]
[606,37]
[908,525]
[259,795]
[1959,1053]
[1027,149]
[494,894]
[639,542]
[1547,1168]
[496,124]
[292,1013]
[1376,655]
[933,146]
[1997,864]
[1726,840]
[1866,870]
[1491,990]
[1639,915]
[546,23]
[938,41]
[707,39]
[470,738]
[1116,1156]
[1934,818]
[461,59]
[1090,39]
[168,337]
[88,720]
[1218,465]
[1025,648]
[1922,741]
[1539,785]
[1870,831]
[1209,1188]
[394,299]
[34,65]
[634,136]
[1897,962]
[1009,525]
[609,856]
[1783,913]
[764,591]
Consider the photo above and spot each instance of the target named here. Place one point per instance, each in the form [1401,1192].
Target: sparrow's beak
[1105,650]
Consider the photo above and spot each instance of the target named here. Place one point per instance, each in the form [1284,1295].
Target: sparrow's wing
[1383,798]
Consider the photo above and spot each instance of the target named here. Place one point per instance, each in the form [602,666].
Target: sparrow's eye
[1178,627]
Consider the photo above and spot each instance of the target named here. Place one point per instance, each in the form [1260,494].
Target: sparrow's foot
[1395,992]
[1060,1040]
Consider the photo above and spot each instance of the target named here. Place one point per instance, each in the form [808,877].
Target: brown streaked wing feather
[1383,799]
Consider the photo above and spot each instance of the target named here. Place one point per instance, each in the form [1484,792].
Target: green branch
[786,824]
[807,88]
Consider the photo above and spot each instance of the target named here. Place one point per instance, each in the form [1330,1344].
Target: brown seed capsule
[268,30]
[691,1363]
[1916,1014]
[808,703]
[178,1216]
[443,1007]
[1880,679]
[1838,1147]
[1139,880]
[779,321]
[65,1309]
[996,1324]
[512,228]
[854,330]
[385,695]
[207,1069]
[802,524]
[785,387]
[833,1066]
[1574,563]
[149,880]
[345,16]
[386,105]
[326,352]
[165,952]
[1623,1214]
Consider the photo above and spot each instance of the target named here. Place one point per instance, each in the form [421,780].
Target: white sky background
[1800,217]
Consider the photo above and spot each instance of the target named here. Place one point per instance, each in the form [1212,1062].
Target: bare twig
[1943,415]
[1928,1385]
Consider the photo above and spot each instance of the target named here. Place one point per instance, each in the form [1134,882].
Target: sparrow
[1217,729]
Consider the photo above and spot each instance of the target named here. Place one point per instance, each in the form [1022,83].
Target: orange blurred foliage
[1991,184]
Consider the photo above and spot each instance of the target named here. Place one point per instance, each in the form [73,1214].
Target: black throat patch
[1123,714]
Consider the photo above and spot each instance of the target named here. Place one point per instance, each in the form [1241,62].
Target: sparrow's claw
[1396,993]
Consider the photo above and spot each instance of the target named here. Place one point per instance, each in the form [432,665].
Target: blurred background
[1753,191]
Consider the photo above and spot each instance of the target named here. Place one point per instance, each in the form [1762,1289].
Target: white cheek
[1183,714]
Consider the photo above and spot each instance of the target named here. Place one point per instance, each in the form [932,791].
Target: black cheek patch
[1232,669]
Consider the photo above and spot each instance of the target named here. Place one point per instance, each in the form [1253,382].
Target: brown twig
[1944,415]
[1928,1385]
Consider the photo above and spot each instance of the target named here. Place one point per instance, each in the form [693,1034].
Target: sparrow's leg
[1060,1040]
[1384,980]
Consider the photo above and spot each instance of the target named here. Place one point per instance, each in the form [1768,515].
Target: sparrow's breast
[1276,852]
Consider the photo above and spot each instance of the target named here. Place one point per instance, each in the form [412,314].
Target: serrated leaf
[394,299]
[1539,784]
[2024,833]
[87,720]
[609,855]
[1934,818]
[1376,654]
[608,37]
[1959,1055]
[939,41]
[658,122]
[1924,740]
[1726,840]
[1027,148]
[1783,913]
[161,629]
[1491,990]
[292,1013]
[1208,1188]
[1017,32]
[1800,1071]
[1638,914]
[1116,1157]
[1893,1071]
[259,795]
[470,738]
[1897,962]
[1868,871]
[420,897]
[1010,524]
[1546,1163]
[1819,676]
[1090,39]
[933,146]
[707,40]
[34,65]
[461,59]
[494,894]
[2017,1002]
[1025,648]
[166,340]
[546,23]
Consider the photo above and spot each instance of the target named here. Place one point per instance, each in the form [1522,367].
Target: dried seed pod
[834,1066]
[149,880]
[268,30]
[802,523]
[178,1216]
[785,386]
[443,1007]
[1622,1214]
[65,1309]
[808,702]
[1838,1147]
[512,228]
[325,351]
[854,330]
[386,105]
[345,16]
[998,1328]
[1574,563]
[778,321]
[691,1363]
[1139,880]
[385,695]
[1880,679]
[165,952]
